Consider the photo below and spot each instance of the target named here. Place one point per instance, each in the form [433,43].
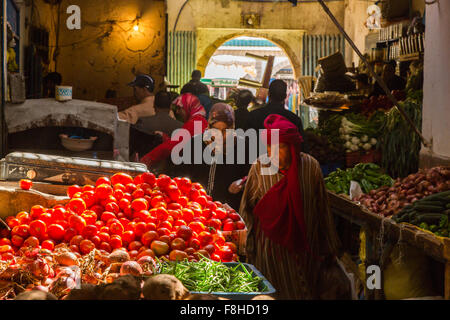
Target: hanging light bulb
[136,27]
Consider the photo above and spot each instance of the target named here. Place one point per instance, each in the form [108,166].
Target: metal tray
[265,287]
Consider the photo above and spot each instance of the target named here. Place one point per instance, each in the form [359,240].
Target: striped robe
[294,276]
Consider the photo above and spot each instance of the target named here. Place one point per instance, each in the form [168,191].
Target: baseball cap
[143,81]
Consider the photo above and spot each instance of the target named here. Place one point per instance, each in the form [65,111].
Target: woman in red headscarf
[186,107]
[291,234]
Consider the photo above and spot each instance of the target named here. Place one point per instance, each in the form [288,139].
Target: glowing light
[136,27]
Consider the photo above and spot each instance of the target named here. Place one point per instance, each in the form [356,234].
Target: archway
[210,39]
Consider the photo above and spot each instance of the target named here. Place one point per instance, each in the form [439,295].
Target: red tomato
[88,187]
[148,237]
[194,194]
[163,231]
[202,201]
[240,225]
[71,190]
[115,242]
[104,237]
[77,205]
[184,232]
[161,213]
[197,226]
[86,246]
[77,222]
[118,194]
[165,224]
[205,238]
[89,231]
[89,198]
[58,213]
[96,241]
[138,193]
[140,229]
[121,178]
[139,204]
[5,241]
[149,178]
[128,236]
[134,245]
[23,217]
[214,223]
[150,227]
[178,244]
[69,234]
[38,228]
[105,246]
[17,240]
[234,216]
[229,226]
[138,179]
[98,209]
[221,213]
[183,201]
[106,216]
[22,230]
[103,191]
[215,257]
[99,224]
[145,253]
[130,188]
[187,214]
[124,203]
[12,221]
[156,200]
[89,216]
[75,241]
[112,207]
[103,180]
[144,215]
[56,232]
[7,256]
[31,242]
[48,244]
[194,243]
[6,248]
[25,184]
[163,181]
[119,186]
[36,212]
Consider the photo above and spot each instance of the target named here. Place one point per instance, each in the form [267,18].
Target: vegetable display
[430,213]
[368,175]
[360,133]
[322,149]
[114,228]
[401,146]
[388,201]
[382,102]
[210,276]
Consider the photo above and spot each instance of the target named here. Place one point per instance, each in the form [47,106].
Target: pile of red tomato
[146,216]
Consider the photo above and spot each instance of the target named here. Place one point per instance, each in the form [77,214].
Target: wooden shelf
[435,247]
[410,57]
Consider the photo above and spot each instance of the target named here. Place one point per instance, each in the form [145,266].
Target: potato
[164,287]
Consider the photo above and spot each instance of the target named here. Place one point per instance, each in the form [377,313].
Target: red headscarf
[280,211]
[191,105]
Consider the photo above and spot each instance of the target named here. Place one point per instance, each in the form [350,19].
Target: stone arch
[281,65]
[210,39]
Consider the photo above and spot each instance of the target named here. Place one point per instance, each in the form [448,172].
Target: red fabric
[163,151]
[280,211]
[194,111]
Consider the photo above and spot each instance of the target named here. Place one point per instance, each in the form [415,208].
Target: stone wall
[106,52]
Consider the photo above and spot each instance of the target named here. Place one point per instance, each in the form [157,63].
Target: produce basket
[265,287]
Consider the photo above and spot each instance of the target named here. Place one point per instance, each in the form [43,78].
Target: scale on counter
[62,170]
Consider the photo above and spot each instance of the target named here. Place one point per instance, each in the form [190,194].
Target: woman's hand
[236,187]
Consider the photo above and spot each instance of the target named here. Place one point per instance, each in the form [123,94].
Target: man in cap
[143,86]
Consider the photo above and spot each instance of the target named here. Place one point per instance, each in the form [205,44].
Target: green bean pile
[211,276]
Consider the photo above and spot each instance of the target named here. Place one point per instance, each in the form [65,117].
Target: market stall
[79,241]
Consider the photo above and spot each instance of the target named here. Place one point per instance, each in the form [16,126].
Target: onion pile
[388,201]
